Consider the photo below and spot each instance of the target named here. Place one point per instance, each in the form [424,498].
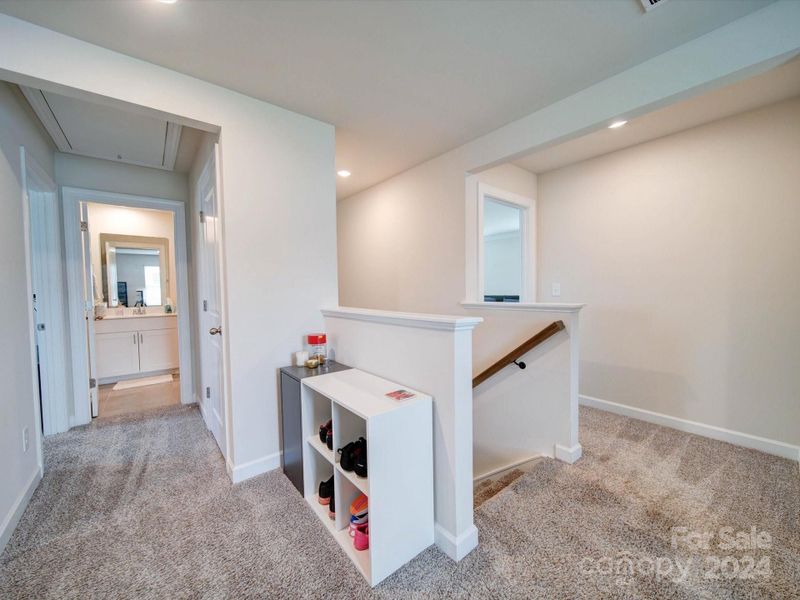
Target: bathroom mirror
[135,269]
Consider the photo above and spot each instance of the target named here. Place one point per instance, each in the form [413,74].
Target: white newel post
[432,353]
[570,449]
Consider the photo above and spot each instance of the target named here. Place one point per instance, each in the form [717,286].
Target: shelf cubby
[362,483]
[314,441]
[399,461]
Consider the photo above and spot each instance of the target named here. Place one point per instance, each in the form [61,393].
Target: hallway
[141,507]
[127,401]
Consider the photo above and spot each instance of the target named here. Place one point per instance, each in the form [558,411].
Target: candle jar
[318,347]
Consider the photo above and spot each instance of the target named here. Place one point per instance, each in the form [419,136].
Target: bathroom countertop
[145,316]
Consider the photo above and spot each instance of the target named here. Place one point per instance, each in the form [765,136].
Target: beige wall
[687,251]
[402,247]
[123,220]
[18,127]
[401,244]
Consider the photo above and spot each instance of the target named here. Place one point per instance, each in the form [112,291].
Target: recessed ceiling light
[343,173]
[617,124]
[168,1]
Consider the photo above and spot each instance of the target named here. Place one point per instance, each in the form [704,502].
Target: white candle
[300,358]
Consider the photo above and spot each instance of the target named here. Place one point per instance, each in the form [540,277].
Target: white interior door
[88,304]
[47,283]
[210,298]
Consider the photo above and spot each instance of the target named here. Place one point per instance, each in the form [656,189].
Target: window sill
[526,306]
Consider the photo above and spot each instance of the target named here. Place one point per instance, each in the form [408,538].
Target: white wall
[396,253]
[278,184]
[110,176]
[18,470]
[520,414]
[686,251]
[106,218]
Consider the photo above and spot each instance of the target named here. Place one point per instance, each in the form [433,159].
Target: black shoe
[347,459]
[329,439]
[351,452]
[325,430]
[326,491]
[360,465]
[332,505]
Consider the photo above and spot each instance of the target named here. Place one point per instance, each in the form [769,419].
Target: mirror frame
[108,240]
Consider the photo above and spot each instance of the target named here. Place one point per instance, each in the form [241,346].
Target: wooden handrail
[519,352]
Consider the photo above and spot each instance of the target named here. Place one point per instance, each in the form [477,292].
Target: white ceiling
[401,81]
[88,129]
[98,131]
[778,84]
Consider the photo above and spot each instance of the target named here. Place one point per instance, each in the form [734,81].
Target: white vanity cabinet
[116,354]
[129,346]
[158,350]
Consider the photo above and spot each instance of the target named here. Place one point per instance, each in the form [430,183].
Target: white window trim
[477,192]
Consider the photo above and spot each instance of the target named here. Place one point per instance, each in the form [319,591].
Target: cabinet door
[116,354]
[291,422]
[158,350]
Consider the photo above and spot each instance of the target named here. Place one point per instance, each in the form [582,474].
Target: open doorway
[135,278]
[125,238]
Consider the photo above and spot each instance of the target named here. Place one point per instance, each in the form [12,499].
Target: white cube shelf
[399,485]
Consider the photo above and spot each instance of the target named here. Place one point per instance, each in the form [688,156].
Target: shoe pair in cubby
[359,522]
[359,513]
[353,457]
[327,497]
[326,434]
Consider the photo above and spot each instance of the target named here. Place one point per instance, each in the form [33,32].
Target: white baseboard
[710,431]
[15,514]
[456,547]
[567,454]
[239,473]
[200,406]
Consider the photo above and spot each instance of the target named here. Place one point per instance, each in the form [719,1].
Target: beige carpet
[141,507]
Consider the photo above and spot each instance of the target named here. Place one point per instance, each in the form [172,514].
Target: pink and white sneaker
[361,537]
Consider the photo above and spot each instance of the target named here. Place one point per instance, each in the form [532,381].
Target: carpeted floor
[141,507]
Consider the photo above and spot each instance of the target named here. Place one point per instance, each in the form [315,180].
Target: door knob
[215,330]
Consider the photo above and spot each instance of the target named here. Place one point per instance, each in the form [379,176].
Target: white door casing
[212,392]
[72,198]
[88,305]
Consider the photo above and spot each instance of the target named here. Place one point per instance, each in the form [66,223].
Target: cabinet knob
[215,330]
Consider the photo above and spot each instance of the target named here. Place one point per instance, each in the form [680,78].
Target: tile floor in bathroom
[114,403]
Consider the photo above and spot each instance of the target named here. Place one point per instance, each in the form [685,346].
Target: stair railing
[518,352]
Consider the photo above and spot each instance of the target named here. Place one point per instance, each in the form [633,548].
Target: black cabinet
[291,418]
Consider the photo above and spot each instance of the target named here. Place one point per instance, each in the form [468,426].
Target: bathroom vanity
[130,345]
